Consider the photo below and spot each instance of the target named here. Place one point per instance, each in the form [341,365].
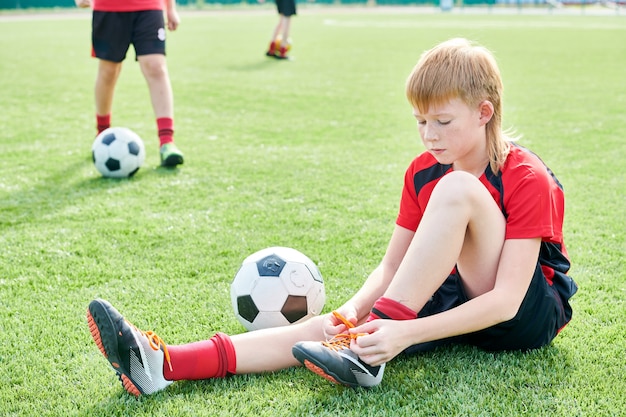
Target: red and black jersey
[127,5]
[527,192]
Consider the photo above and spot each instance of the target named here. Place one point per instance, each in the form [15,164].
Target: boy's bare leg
[286,26]
[270,349]
[108,73]
[154,69]
[462,226]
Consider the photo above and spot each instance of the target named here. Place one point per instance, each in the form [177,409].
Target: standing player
[115,25]
[281,43]
[476,256]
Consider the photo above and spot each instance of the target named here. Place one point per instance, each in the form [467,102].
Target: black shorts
[286,7]
[542,314]
[113,32]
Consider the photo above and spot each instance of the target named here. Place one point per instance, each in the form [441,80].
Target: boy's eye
[439,122]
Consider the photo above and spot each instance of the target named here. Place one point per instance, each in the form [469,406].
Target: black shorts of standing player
[113,33]
[542,314]
[286,7]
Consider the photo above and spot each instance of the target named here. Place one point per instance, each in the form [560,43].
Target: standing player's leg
[154,70]
[149,41]
[110,47]
[108,73]
[287,9]
[285,44]
[272,50]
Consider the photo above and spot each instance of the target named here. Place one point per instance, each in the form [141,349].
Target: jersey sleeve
[532,205]
[410,213]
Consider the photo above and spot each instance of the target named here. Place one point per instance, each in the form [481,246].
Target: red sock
[272,48]
[166,130]
[103,122]
[213,358]
[386,308]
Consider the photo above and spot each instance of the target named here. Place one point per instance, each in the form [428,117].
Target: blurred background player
[281,43]
[115,25]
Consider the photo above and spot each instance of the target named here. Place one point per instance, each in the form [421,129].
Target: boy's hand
[381,341]
[83,3]
[173,19]
[333,326]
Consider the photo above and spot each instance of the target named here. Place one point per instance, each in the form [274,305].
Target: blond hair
[460,69]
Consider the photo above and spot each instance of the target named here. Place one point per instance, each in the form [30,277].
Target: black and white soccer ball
[118,152]
[275,287]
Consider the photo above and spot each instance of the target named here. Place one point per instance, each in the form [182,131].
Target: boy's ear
[486,111]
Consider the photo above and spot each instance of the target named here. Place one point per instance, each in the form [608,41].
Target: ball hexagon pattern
[118,152]
[277,286]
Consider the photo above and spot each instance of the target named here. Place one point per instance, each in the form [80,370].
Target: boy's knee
[154,68]
[457,186]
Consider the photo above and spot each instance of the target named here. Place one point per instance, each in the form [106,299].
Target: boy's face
[454,133]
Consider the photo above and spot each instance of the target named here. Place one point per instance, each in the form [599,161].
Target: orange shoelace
[342,340]
[155,342]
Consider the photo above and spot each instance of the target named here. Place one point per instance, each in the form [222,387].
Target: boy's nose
[430,134]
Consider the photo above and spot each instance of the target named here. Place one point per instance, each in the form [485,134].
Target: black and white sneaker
[136,356]
[334,361]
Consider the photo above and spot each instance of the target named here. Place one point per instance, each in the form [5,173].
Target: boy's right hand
[83,3]
[333,326]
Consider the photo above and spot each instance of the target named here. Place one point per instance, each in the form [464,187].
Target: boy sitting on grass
[476,257]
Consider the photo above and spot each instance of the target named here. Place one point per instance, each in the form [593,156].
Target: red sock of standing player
[272,48]
[103,122]
[166,130]
[213,358]
[386,308]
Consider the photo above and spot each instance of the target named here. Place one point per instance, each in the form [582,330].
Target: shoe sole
[100,311]
[319,371]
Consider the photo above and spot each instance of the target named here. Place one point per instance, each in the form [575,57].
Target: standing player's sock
[166,130]
[272,48]
[282,53]
[386,308]
[213,358]
[103,122]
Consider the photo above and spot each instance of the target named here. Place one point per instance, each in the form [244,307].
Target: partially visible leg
[106,79]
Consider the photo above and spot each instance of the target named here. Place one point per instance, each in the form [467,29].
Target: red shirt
[528,194]
[127,5]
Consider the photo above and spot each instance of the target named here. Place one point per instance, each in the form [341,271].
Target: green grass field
[308,154]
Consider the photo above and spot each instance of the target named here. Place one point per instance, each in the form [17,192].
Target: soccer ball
[118,152]
[276,286]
